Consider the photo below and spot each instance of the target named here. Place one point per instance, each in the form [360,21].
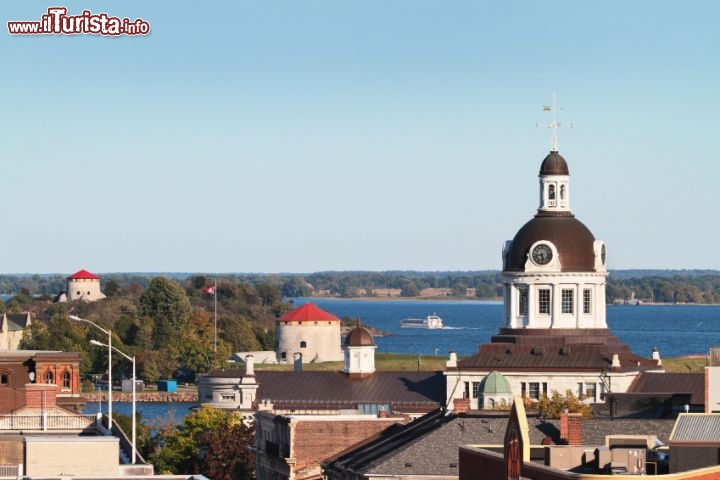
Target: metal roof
[671,383]
[697,427]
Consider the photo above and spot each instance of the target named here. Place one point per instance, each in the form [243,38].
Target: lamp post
[134,381]
[110,349]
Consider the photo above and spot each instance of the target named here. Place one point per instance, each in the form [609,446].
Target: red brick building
[39,378]
[293,446]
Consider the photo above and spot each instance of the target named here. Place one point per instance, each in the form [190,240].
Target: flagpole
[215,318]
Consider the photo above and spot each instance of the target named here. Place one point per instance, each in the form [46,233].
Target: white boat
[431,321]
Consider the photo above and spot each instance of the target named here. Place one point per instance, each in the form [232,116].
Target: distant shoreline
[494,300]
[407,299]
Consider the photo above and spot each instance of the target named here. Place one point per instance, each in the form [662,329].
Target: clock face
[602,254]
[542,254]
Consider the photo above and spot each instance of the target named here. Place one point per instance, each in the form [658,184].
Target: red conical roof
[83,275]
[308,312]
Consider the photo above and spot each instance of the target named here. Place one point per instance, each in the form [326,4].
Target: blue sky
[299,136]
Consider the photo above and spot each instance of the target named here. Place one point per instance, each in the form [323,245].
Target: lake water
[676,330]
[152,413]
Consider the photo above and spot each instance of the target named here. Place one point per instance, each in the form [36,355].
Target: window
[551,192]
[587,301]
[303,344]
[283,355]
[4,379]
[66,379]
[562,192]
[48,377]
[590,391]
[544,301]
[523,299]
[567,300]
[532,389]
[475,389]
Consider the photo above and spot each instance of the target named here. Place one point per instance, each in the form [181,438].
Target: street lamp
[134,381]
[110,349]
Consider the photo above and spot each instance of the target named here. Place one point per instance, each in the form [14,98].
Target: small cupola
[554,184]
[359,349]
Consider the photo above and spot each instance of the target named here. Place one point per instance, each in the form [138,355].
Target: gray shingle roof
[697,427]
[430,445]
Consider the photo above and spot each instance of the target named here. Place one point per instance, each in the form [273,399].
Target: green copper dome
[495,384]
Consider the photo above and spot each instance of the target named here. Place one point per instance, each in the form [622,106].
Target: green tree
[238,333]
[409,289]
[167,304]
[197,346]
[459,289]
[112,289]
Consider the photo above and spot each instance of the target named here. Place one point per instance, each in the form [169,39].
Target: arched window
[551,192]
[4,379]
[66,379]
[303,344]
[283,355]
[562,192]
[49,377]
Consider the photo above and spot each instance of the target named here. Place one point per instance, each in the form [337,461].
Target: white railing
[46,422]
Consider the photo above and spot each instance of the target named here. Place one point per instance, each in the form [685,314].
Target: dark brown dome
[359,337]
[573,240]
[554,164]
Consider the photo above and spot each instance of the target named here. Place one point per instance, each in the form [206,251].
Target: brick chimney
[461,405]
[571,428]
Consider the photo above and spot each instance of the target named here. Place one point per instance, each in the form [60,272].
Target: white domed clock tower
[554,336]
[554,269]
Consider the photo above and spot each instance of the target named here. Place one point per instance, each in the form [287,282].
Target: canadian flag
[209,290]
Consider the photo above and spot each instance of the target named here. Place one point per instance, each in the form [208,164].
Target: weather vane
[554,125]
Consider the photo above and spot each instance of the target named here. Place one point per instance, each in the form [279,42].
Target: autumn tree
[208,440]
[557,403]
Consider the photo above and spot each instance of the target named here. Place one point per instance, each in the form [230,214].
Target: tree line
[169,325]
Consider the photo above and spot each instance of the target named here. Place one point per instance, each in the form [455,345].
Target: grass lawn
[430,363]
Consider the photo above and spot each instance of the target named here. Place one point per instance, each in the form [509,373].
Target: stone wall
[144,397]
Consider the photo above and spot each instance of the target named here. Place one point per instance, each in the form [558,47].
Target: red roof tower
[83,275]
[308,312]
